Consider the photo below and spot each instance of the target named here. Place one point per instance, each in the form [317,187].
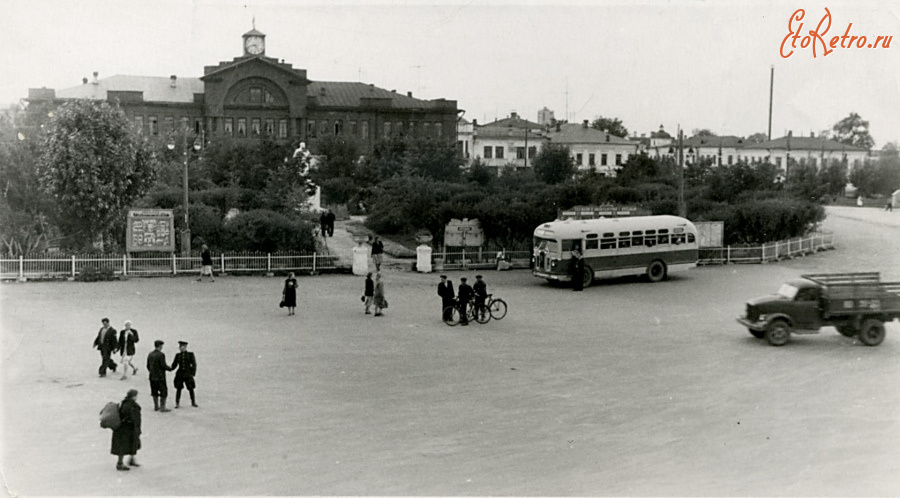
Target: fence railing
[149,264]
[474,259]
[772,251]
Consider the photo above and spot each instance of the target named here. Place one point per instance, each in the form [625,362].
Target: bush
[93,274]
[767,221]
[267,231]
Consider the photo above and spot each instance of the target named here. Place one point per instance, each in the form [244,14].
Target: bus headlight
[553,263]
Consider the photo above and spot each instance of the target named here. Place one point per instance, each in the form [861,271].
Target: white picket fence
[773,251]
[150,264]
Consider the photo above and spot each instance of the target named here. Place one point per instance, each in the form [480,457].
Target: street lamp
[186,232]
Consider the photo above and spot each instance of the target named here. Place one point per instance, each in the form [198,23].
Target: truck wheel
[847,330]
[872,332]
[758,335]
[778,332]
[656,271]
[587,277]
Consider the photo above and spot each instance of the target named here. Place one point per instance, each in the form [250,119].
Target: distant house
[811,150]
[507,141]
[720,150]
[592,148]
[464,138]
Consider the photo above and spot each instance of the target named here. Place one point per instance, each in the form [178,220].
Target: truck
[856,304]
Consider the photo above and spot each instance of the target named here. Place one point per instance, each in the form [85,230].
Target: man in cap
[480,289]
[465,294]
[445,290]
[156,365]
[184,377]
[107,342]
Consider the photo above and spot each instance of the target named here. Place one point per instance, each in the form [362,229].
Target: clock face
[254,45]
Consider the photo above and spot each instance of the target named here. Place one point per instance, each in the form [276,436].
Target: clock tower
[254,43]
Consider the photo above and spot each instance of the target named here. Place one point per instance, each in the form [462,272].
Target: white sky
[697,64]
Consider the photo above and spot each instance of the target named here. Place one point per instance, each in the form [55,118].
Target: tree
[613,126]
[757,138]
[705,132]
[554,163]
[854,130]
[94,166]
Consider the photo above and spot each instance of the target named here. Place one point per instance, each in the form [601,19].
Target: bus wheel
[656,271]
[872,332]
[587,277]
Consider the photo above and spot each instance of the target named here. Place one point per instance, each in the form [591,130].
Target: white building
[506,141]
[592,148]
[464,138]
[804,150]
[720,150]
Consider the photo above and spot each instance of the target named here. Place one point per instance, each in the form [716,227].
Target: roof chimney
[84,81]
[393,90]
[812,135]
[172,80]
[409,94]
[790,133]
[96,79]
[584,124]
[557,125]
[474,122]
[514,115]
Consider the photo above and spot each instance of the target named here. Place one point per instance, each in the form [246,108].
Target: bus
[615,247]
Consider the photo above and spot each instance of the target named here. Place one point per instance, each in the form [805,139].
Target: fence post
[174,265]
[763,257]
[73,266]
[268,262]
[314,263]
[124,265]
[728,254]
[21,267]
[222,263]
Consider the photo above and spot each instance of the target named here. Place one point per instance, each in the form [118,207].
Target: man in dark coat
[369,292]
[577,269]
[465,294]
[157,366]
[107,342]
[323,223]
[186,365]
[329,217]
[377,253]
[445,290]
[480,290]
[126,440]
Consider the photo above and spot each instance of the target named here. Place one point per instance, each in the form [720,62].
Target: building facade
[594,149]
[254,96]
[512,141]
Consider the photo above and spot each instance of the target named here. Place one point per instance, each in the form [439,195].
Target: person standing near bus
[465,293]
[577,269]
[445,290]
[480,290]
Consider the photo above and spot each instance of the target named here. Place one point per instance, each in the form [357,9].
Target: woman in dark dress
[126,440]
[289,296]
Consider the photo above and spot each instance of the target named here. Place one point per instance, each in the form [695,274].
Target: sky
[688,64]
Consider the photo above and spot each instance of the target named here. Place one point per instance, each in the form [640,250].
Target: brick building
[256,95]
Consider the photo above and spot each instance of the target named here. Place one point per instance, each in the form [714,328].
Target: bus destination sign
[601,211]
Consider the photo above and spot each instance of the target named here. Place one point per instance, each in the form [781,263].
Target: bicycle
[493,308]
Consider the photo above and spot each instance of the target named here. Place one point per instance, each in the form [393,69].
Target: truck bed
[857,293]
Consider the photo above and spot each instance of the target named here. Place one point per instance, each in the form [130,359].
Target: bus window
[591,244]
[650,239]
[691,238]
[608,241]
[678,238]
[568,244]
[548,245]
[663,236]
[637,238]
[624,239]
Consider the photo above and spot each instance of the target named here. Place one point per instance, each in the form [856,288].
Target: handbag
[362,298]
[281,304]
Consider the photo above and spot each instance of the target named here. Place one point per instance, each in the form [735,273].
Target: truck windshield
[788,291]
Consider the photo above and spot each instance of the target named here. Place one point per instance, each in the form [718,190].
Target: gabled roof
[155,88]
[349,94]
[515,122]
[253,59]
[510,132]
[804,143]
[727,141]
[571,133]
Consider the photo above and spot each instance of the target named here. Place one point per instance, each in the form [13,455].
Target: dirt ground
[628,388]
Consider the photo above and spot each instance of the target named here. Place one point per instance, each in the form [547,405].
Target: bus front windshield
[547,245]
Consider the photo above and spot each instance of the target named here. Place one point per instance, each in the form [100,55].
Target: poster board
[150,230]
[711,233]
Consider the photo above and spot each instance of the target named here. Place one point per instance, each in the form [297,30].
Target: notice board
[150,230]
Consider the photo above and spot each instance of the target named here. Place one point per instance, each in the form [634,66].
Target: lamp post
[186,232]
[682,208]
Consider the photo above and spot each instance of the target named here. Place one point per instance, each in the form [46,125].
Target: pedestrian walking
[377,253]
[157,367]
[369,293]
[186,365]
[289,294]
[126,440]
[206,262]
[480,290]
[329,219]
[577,269]
[380,301]
[890,205]
[128,337]
[445,290]
[107,343]
[323,223]
[464,293]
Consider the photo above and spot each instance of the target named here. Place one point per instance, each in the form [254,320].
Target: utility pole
[682,209]
[771,87]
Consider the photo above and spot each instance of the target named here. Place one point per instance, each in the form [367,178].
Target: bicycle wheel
[482,315]
[497,309]
[452,312]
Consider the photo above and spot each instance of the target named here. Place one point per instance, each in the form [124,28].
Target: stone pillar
[423,258]
[360,260]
